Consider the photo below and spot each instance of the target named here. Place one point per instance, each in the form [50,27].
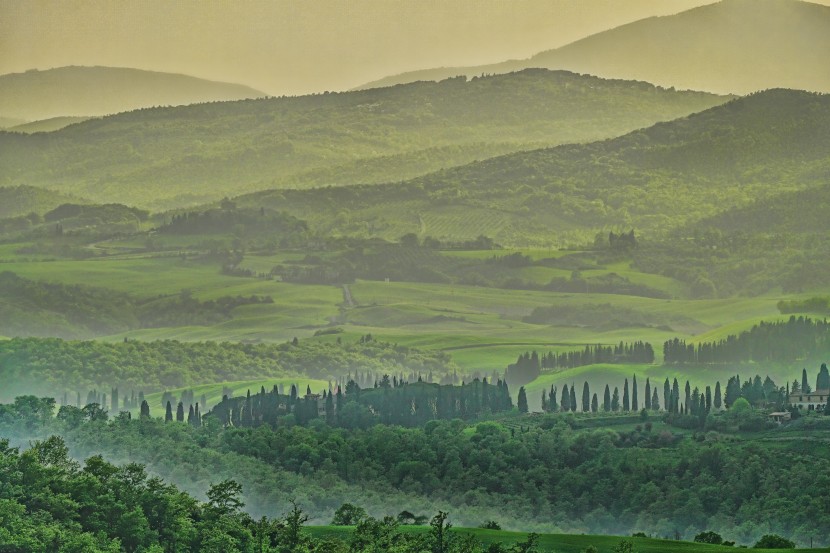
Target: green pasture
[481,328]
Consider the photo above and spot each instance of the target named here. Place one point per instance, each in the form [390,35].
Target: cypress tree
[708,398]
[675,394]
[586,398]
[573,398]
[180,412]
[168,413]
[648,394]
[594,404]
[191,415]
[688,394]
[197,417]
[329,410]
[606,399]
[544,401]
[626,404]
[615,400]
[823,378]
[635,405]
[522,401]
[805,384]
[554,403]
[655,401]
[566,399]
[667,403]
[145,409]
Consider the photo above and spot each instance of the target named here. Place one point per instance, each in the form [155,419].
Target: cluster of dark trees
[390,401]
[530,365]
[688,407]
[410,240]
[228,218]
[822,381]
[796,338]
[622,241]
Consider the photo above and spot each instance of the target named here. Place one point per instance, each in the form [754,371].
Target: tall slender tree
[606,399]
[626,403]
[522,401]
[635,405]
[586,398]
[573,397]
[168,413]
[648,394]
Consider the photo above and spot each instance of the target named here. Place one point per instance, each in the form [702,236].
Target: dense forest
[52,503]
[547,473]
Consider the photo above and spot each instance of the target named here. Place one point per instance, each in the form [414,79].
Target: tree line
[782,341]
[389,401]
[530,365]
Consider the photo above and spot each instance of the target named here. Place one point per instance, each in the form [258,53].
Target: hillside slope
[734,46]
[85,91]
[177,156]
[654,179]
[21,200]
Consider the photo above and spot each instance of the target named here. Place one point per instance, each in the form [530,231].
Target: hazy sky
[298,46]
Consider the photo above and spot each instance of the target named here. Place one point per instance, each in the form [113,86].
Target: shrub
[773,541]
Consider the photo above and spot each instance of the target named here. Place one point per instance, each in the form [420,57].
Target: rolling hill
[47,125]
[653,179]
[169,157]
[16,201]
[85,91]
[734,46]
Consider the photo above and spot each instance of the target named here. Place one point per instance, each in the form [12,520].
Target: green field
[554,543]
[481,328]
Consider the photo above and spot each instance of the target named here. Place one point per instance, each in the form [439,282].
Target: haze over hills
[733,46]
[653,179]
[179,156]
[85,91]
[16,201]
[47,125]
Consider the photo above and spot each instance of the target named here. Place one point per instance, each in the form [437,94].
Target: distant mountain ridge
[86,91]
[666,176]
[733,46]
[170,157]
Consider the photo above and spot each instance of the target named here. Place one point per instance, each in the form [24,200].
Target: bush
[773,541]
[709,537]
[348,515]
